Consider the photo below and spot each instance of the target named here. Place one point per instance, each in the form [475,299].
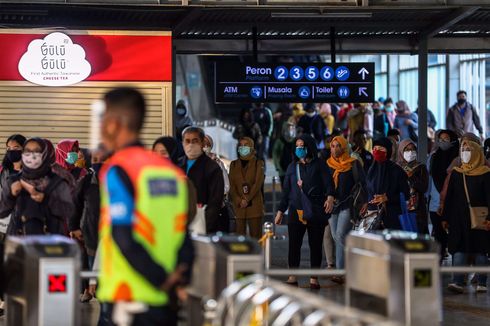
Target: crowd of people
[337,164]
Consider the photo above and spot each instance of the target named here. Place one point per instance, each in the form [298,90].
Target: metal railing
[258,301]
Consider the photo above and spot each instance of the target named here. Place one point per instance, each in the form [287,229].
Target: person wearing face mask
[406,122]
[359,150]
[207,177]
[389,109]
[67,156]
[445,151]
[281,152]
[40,199]
[183,119]
[11,164]
[469,186]
[385,181]
[312,124]
[463,116]
[83,225]
[246,181]
[307,176]
[418,181]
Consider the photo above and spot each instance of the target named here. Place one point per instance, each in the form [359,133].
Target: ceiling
[215,26]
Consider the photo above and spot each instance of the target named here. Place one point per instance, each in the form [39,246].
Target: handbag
[478,214]
[370,221]
[408,220]
[306,213]
[198,224]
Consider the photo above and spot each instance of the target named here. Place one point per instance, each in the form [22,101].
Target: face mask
[32,160]
[192,151]
[379,156]
[311,114]
[409,156]
[244,151]
[72,158]
[300,152]
[445,145]
[461,101]
[181,111]
[206,150]
[465,157]
[14,155]
[389,108]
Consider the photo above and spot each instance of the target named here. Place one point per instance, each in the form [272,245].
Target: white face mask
[410,156]
[465,156]
[311,114]
[32,160]
[192,151]
[206,150]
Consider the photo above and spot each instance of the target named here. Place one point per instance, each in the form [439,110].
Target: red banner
[111,57]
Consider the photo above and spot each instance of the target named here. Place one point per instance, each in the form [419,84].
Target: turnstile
[43,281]
[395,274]
[220,260]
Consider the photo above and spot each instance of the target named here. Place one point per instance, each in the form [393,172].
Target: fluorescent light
[322,15]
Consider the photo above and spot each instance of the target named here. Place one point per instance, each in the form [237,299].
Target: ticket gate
[395,274]
[43,281]
[220,260]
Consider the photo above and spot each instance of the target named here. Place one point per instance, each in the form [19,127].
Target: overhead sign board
[294,83]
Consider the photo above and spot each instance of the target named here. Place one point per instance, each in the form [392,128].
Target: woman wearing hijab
[469,184]
[12,162]
[385,182]
[247,127]
[418,181]
[307,176]
[246,180]
[347,172]
[406,121]
[67,156]
[42,201]
[445,151]
[167,147]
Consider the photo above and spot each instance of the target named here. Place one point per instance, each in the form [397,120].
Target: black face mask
[14,156]
[461,101]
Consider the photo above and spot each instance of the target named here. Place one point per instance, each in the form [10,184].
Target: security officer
[144,249]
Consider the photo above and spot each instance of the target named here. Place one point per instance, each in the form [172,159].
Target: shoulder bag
[478,214]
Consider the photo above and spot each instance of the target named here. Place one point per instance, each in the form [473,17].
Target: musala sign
[54,61]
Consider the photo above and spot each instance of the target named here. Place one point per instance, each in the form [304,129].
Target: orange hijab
[343,163]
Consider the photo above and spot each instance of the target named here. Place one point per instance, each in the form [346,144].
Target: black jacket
[461,237]
[87,210]
[317,183]
[313,126]
[207,177]
[347,180]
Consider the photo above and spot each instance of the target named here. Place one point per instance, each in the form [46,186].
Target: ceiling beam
[456,16]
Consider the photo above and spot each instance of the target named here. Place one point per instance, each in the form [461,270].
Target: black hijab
[441,159]
[377,177]
[310,145]
[172,147]
[6,163]
[44,169]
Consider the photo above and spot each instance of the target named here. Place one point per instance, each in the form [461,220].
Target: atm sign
[57,283]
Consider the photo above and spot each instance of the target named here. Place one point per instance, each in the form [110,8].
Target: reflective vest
[159,225]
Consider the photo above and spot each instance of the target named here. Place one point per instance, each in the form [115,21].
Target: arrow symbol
[362,91]
[363,72]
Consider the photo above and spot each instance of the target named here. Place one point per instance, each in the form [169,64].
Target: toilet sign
[54,61]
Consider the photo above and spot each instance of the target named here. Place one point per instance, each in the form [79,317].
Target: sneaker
[481,289]
[453,287]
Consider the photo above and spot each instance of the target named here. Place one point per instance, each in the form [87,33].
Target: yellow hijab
[343,163]
[476,166]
